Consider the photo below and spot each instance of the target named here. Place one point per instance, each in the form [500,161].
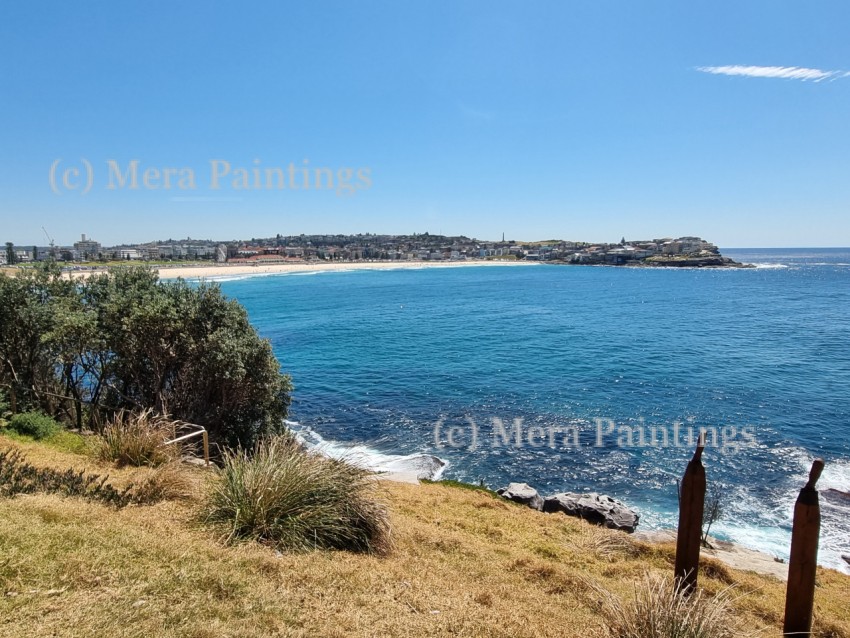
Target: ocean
[581,378]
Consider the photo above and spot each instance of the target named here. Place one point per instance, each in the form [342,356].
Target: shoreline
[224,270]
[732,554]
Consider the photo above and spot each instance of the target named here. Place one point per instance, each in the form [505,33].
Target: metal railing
[199,431]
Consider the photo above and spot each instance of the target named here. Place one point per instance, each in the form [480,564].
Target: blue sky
[575,120]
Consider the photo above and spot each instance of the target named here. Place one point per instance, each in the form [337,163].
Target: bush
[662,610]
[35,424]
[17,476]
[295,500]
[137,439]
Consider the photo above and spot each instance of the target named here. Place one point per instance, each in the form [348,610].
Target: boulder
[594,508]
[522,493]
[846,558]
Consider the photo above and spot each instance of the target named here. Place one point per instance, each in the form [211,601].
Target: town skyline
[425,247]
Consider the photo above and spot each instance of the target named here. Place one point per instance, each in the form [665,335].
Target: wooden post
[802,567]
[691,504]
[206,438]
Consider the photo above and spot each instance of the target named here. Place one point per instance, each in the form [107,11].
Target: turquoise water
[406,361]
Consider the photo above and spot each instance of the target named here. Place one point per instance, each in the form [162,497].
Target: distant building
[87,247]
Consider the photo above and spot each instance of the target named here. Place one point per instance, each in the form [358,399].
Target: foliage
[4,405]
[35,424]
[136,439]
[126,341]
[17,476]
[296,500]
[661,609]
[27,315]
[713,510]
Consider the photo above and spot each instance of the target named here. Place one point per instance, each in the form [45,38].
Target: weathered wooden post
[802,567]
[691,504]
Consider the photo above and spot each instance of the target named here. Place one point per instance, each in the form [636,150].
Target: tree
[26,316]
[128,341]
[186,351]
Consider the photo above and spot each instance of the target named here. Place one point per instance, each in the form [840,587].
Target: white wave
[223,278]
[768,266]
[827,263]
[423,466]
[836,476]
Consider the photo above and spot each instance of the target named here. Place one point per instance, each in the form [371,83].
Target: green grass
[463,486]
[61,440]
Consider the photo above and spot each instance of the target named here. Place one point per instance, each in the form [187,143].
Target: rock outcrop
[594,508]
[522,493]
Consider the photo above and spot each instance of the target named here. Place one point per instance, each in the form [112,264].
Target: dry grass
[169,482]
[137,439]
[661,609]
[464,564]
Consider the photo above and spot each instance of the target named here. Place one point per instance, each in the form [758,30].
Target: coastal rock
[594,508]
[846,558]
[522,493]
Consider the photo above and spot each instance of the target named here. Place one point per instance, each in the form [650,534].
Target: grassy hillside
[465,564]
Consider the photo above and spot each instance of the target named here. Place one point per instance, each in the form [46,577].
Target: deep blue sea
[594,367]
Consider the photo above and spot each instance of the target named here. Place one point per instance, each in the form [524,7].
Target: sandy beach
[733,554]
[214,271]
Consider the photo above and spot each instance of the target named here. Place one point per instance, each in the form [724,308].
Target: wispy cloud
[782,72]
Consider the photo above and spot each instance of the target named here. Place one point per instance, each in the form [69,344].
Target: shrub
[35,424]
[17,476]
[137,439]
[661,609]
[296,500]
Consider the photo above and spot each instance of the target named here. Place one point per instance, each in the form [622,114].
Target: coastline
[225,270]
[734,555]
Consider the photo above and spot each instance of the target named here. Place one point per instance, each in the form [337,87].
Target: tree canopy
[84,350]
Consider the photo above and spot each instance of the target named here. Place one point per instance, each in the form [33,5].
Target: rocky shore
[684,252]
[592,507]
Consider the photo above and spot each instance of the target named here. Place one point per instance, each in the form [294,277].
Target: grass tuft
[137,439]
[165,483]
[661,609]
[295,500]
[603,543]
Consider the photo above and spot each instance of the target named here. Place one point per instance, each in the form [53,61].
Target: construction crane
[50,239]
